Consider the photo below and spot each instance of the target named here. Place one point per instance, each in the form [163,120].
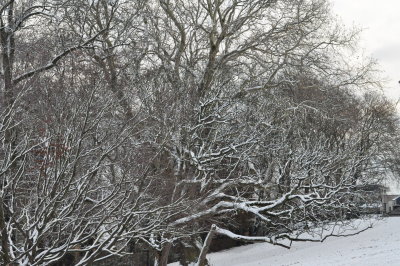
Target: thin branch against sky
[380,38]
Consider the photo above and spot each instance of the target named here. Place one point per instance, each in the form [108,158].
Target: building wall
[388,203]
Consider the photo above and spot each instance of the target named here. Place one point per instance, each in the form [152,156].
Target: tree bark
[162,260]
[4,236]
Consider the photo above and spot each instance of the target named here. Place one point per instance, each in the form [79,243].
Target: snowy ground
[377,246]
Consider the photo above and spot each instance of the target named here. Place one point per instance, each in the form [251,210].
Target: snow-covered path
[377,246]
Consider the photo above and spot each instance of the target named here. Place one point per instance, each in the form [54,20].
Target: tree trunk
[162,260]
[4,236]
[202,261]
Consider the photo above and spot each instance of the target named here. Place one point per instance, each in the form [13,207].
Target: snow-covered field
[377,246]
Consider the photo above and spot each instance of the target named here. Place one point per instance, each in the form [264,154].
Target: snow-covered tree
[141,124]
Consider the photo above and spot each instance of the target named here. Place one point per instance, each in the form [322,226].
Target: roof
[387,198]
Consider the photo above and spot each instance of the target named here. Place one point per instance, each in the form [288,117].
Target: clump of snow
[374,247]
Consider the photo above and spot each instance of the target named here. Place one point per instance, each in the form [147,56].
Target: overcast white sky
[381,36]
